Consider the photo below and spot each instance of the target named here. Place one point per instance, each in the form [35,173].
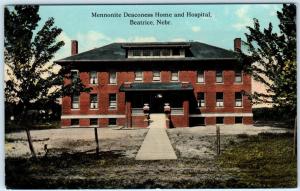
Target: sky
[227,21]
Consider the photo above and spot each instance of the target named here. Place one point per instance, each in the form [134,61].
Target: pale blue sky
[228,21]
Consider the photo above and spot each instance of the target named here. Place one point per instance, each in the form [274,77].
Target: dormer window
[165,52]
[156,53]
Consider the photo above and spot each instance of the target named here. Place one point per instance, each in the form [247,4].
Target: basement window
[238,120]
[74,122]
[112,121]
[93,122]
[220,120]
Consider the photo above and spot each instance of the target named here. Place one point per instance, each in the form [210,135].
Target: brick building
[201,83]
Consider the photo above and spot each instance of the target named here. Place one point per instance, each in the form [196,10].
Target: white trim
[91,116]
[222,115]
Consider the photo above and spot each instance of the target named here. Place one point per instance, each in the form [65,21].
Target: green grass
[265,160]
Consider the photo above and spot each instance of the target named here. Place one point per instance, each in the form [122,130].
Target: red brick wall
[126,73]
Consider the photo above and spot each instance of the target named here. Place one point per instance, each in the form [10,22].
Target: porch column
[186,112]
[128,113]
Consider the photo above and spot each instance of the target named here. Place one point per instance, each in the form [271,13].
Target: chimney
[74,47]
[237,44]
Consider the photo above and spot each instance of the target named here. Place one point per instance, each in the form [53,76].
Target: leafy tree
[28,52]
[271,60]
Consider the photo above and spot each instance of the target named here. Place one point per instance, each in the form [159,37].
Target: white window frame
[156,76]
[238,102]
[222,76]
[112,104]
[75,105]
[177,76]
[138,78]
[199,78]
[113,80]
[77,74]
[93,79]
[201,103]
[219,102]
[240,76]
[93,104]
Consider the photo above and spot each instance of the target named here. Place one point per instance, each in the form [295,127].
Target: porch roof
[156,86]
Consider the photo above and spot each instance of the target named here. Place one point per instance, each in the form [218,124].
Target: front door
[157,104]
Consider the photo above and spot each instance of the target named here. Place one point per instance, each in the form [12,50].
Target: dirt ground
[75,140]
[72,162]
[193,142]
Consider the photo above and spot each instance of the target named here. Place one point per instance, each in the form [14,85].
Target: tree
[271,60]
[28,52]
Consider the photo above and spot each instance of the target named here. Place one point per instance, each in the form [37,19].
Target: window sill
[112,108]
[75,109]
[94,109]
[112,84]
[238,106]
[200,83]
[74,125]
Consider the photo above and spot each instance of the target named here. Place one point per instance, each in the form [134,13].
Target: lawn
[254,161]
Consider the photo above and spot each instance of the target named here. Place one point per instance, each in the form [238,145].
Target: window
[156,76]
[219,76]
[93,77]
[93,101]
[220,120]
[75,101]
[238,99]
[201,99]
[238,76]
[156,52]
[146,52]
[219,99]
[112,121]
[136,52]
[112,77]
[176,52]
[166,52]
[138,76]
[200,76]
[74,75]
[93,122]
[174,76]
[74,122]
[112,101]
[238,120]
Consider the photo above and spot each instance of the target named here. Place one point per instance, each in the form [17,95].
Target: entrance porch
[157,95]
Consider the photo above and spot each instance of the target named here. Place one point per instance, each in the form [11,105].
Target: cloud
[178,40]
[243,18]
[242,12]
[142,39]
[196,28]
[91,39]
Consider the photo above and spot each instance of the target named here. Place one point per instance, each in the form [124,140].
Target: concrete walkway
[157,145]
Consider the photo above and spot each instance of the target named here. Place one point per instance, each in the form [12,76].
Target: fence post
[218,142]
[295,137]
[97,141]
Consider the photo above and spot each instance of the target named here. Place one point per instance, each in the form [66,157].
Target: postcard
[150,96]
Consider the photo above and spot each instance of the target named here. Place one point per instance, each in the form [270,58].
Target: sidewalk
[156,145]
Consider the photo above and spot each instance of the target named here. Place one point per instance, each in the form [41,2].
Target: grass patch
[265,160]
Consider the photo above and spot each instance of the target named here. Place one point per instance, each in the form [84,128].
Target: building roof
[155,86]
[116,52]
